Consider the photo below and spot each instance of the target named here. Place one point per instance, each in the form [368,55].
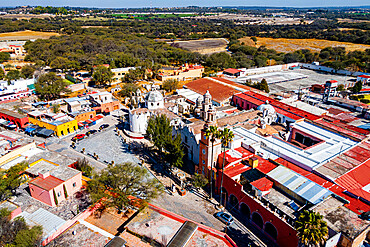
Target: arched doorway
[271,230]
[234,202]
[257,219]
[244,209]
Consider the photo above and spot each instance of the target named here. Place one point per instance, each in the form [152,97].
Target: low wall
[201,227]
[69,223]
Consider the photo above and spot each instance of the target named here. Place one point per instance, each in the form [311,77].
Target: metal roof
[299,185]
[50,222]
[183,235]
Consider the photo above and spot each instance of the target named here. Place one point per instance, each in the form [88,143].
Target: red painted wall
[21,122]
[286,236]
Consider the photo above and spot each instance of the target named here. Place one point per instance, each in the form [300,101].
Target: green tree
[60,63]
[212,133]
[128,89]
[226,137]
[4,56]
[11,179]
[102,76]
[56,108]
[116,183]
[199,180]
[84,166]
[357,87]
[2,74]
[174,151]
[27,71]
[159,131]
[264,86]
[340,87]
[132,76]
[254,39]
[220,61]
[49,86]
[311,229]
[16,232]
[13,75]
[170,85]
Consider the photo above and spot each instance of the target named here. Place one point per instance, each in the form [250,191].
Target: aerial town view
[185,124]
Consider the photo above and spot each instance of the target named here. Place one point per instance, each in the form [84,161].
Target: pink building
[54,183]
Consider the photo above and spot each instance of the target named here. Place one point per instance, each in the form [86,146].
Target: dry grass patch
[26,35]
[290,45]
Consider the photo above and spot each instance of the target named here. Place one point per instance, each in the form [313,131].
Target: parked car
[78,137]
[103,126]
[225,218]
[90,132]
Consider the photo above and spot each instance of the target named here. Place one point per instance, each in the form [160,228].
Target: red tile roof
[282,108]
[47,183]
[232,71]
[220,93]
[233,171]
[263,184]
[335,111]
[342,129]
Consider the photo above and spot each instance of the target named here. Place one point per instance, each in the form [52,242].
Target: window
[59,194]
[74,184]
[204,151]
[203,162]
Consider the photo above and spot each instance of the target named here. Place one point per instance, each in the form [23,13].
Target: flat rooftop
[340,218]
[162,225]
[311,77]
[59,171]
[311,158]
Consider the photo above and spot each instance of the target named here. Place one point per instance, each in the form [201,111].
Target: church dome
[270,109]
[154,96]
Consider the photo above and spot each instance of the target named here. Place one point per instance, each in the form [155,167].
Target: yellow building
[60,123]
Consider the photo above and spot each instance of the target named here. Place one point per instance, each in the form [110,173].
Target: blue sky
[171,3]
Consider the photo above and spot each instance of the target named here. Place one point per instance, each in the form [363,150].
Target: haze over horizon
[184,3]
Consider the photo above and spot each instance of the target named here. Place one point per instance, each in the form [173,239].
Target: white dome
[154,96]
[270,109]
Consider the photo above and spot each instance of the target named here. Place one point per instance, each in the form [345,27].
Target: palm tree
[226,137]
[213,134]
[311,228]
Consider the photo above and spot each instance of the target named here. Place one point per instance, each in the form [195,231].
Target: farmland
[290,45]
[205,46]
[26,35]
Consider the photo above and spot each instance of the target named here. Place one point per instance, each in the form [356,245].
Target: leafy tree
[174,151]
[114,186]
[170,85]
[49,86]
[2,74]
[128,89]
[56,108]
[357,87]
[13,75]
[133,75]
[340,87]
[16,232]
[226,136]
[199,180]
[254,39]
[311,229]
[4,56]
[220,61]
[11,179]
[264,86]
[212,133]
[27,71]
[84,166]
[102,76]
[60,63]
[159,131]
